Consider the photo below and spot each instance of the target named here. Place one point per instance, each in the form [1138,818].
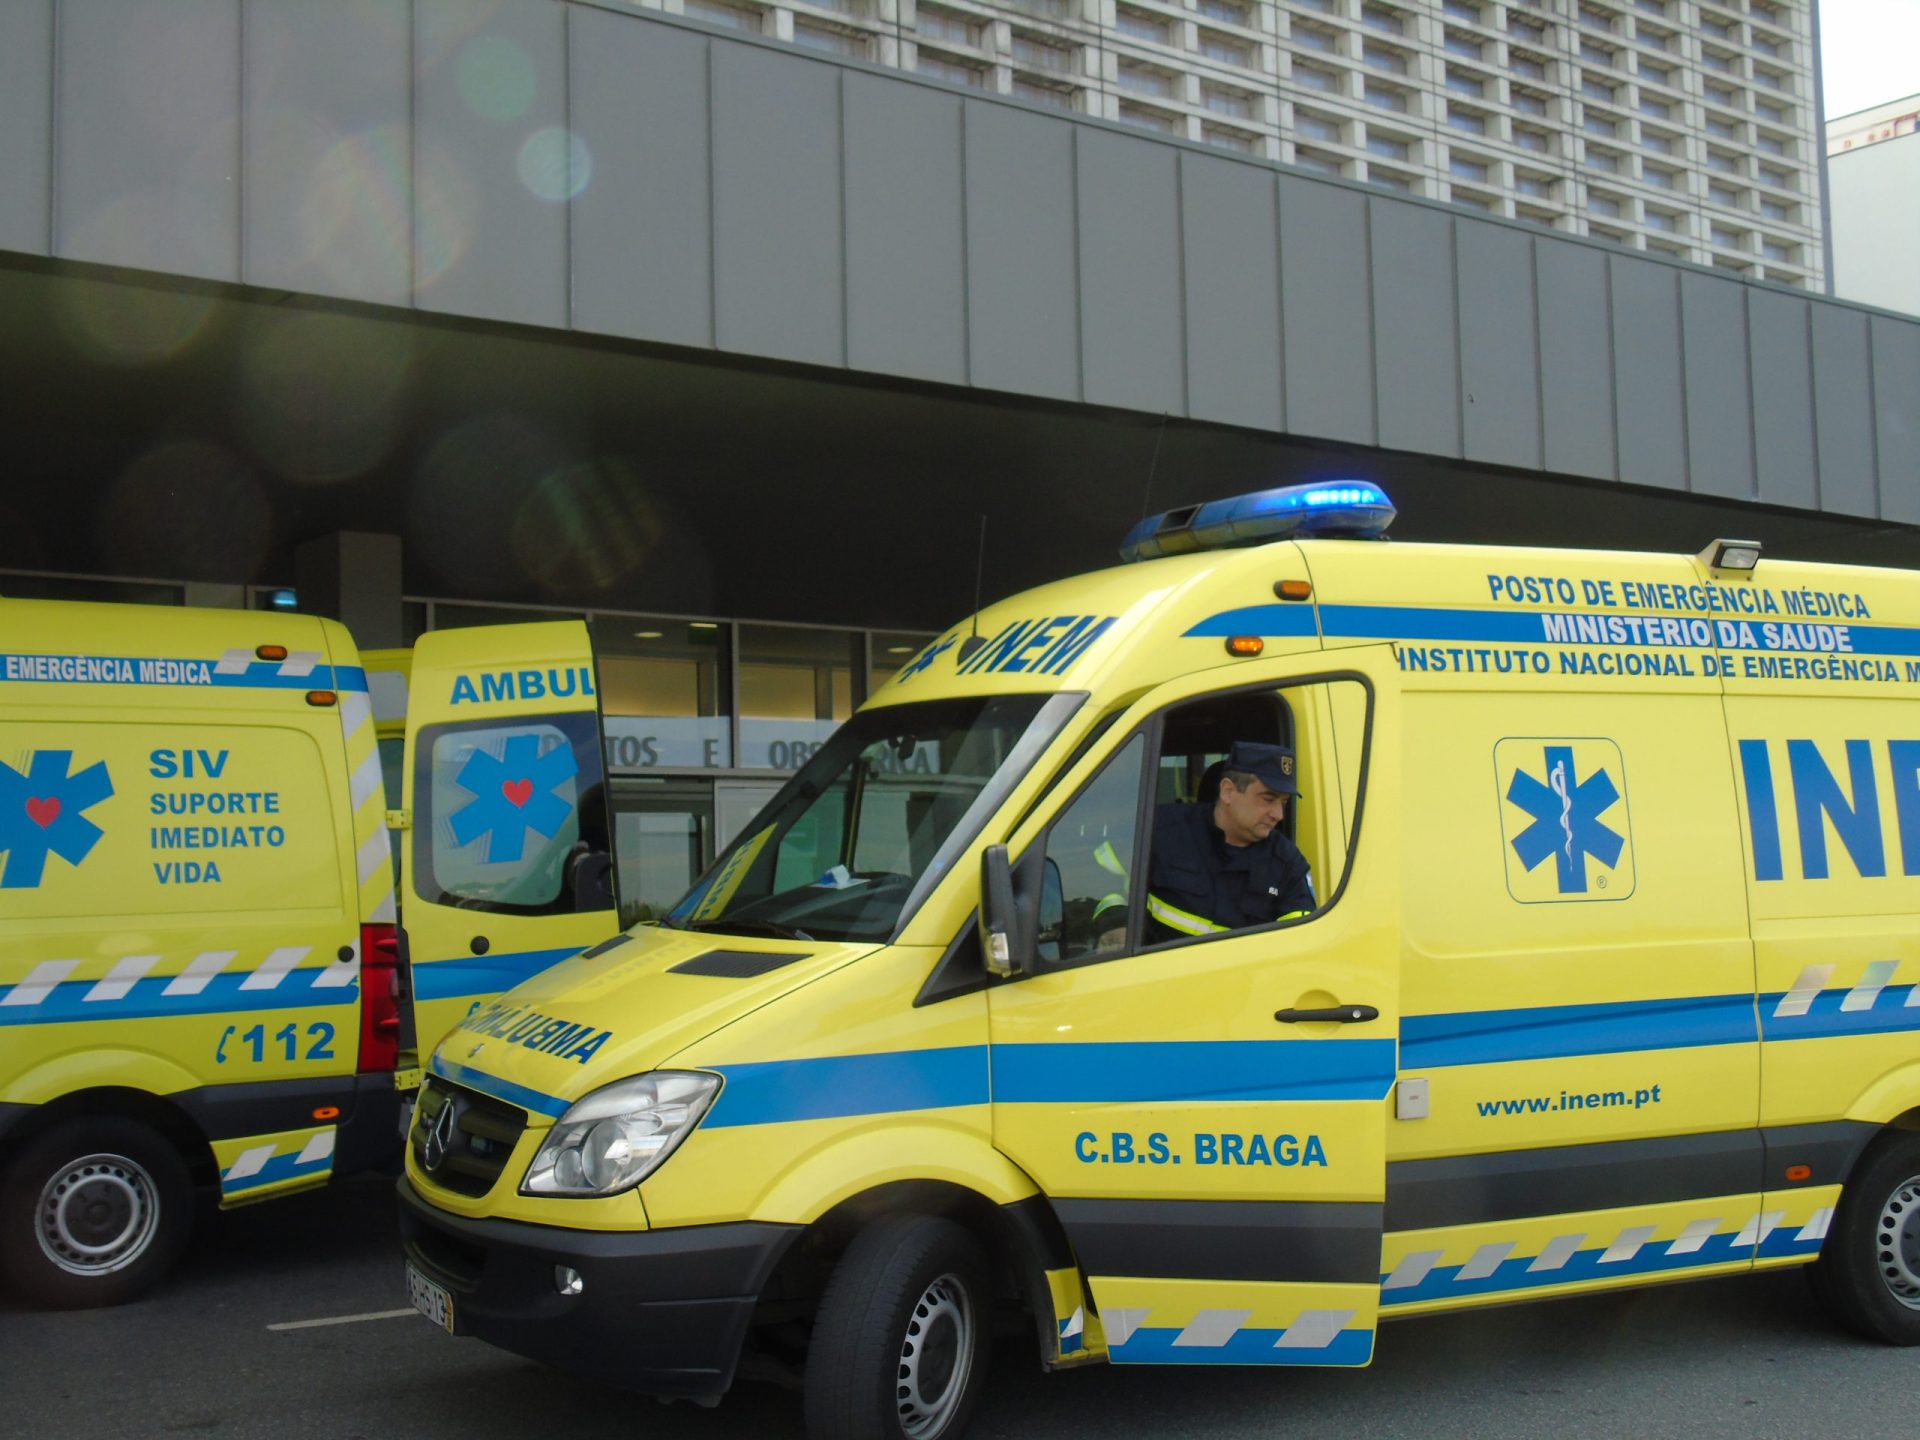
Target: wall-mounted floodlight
[1731,555]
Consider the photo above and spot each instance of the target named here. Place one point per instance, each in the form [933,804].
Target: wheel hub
[936,1358]
[1897,1242]
[97,1215]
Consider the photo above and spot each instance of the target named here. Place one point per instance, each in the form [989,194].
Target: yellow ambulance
[1609,979]
[198,955]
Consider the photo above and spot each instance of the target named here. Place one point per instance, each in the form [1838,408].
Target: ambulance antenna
[1154,464]
[973,642]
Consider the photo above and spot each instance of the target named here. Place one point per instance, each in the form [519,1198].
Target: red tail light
[379,998]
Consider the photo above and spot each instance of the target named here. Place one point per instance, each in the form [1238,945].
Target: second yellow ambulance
[1611,980]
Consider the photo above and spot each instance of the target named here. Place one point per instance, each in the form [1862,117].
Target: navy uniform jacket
[1202,883]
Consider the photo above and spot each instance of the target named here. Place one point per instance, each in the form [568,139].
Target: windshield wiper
[750,927]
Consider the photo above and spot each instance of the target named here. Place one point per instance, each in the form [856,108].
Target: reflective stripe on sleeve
[1175,918]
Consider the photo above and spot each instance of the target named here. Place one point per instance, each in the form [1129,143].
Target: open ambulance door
[506,850]
[1207,1110]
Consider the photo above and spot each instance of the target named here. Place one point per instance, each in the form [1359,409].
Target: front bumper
[663,1312]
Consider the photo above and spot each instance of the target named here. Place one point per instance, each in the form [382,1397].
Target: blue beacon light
[1328,509]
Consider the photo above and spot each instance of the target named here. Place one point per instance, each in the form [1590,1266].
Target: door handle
[1339,1014]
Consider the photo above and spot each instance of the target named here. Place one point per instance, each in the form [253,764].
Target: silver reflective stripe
[1627,1244]
[1485,1261]
[1756,1230]
[1816,1228]
[366,781]
[122,978]
[1120,1324]
[234,662]
[1558,1252]
[1806,989]
[1412,1269]
[274,968]
[197,976]
[40,982]
[1872,982]
[1210,1329]
[374,854]
[1314,1330]
[1694,1237]
[341,972]
[299,664]
[316,1149]
[1076,1323]
[251,1162]
[355,711]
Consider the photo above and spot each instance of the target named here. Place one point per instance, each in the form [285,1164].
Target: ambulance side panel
[182,898]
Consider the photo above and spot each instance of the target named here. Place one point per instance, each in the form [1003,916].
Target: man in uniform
[1227,864]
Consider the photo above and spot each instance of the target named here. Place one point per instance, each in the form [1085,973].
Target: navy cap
[1272,764]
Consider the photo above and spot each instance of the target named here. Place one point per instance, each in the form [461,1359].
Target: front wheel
[1869,1269]
[901,1338]
[93,1212]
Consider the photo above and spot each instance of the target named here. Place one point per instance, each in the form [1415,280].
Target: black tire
[901,1339]
[92,1213]
[1868,1272]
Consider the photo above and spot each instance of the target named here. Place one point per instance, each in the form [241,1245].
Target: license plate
[430,1300]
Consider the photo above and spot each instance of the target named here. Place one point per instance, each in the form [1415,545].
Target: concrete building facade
[1873,191]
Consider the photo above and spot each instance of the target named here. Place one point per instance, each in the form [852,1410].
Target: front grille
[464,1155]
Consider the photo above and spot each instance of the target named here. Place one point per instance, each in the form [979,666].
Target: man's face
[1245,816]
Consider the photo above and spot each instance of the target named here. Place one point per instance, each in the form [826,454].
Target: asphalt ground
[1747,1357]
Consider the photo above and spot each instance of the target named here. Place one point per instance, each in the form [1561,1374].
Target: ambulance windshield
[852,842]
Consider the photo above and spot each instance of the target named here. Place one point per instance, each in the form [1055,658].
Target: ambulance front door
[507,864]
[1207,1111]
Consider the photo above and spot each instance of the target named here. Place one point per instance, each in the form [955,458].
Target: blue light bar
[1349,509]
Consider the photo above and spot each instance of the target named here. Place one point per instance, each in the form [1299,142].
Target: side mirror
[1002,942]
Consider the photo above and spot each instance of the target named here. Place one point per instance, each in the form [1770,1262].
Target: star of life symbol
[1565,813]
[42,814]
[926,658]
[512,794]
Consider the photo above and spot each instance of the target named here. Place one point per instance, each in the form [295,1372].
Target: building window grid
[1297,31]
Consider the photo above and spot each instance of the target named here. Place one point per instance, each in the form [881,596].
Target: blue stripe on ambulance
[1570,1260]
[499,1089]
[148,670]
[280,1168]
[1155,1345]
[1488,1037]
[1520,627]
[463,975]
[148,1000]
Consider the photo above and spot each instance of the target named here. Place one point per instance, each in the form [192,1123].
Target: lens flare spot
[555,164]
[353,219]
[120,324]
[188,509]
[587,526]
[322,396]
[496,77]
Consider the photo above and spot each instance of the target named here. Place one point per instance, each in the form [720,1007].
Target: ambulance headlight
[613,1139]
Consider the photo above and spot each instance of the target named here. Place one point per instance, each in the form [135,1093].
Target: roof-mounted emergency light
[1350,509]
[1731,555]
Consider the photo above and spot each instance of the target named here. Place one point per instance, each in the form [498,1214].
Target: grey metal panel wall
[491,159]
[906,255]
[1415,341]
[26,125]
[777,260]
[1231,259]
[1324,296]
[1133,343]
[573,164]
[1843,410]
[1785,462]
[1896,407]
[326,181]
[642,227]
[1576,359]
[1022,266]
[147,140]
[1718,394]
[1499,344]
[1649,402]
